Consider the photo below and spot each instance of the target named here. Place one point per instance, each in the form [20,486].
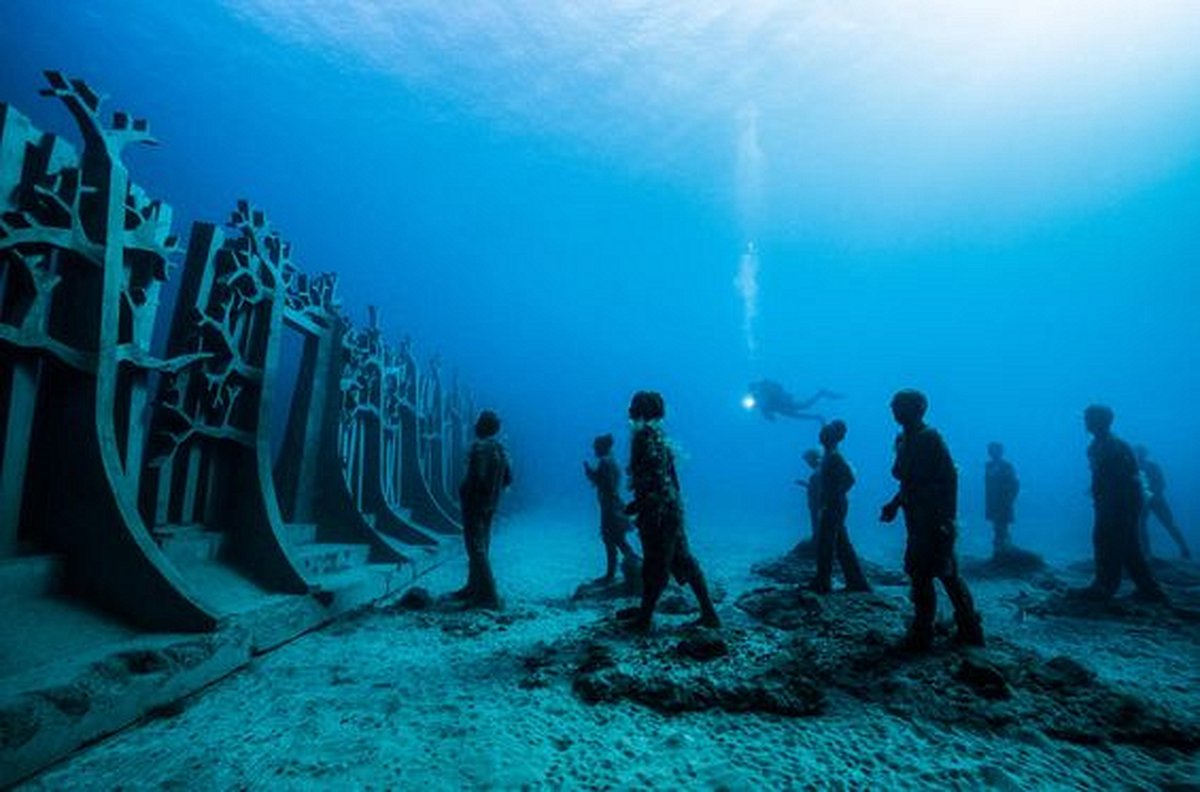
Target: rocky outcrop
[846,644]
[800,564]
[1012,564]
[800,654]
[671,671]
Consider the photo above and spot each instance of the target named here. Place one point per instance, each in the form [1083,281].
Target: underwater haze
[996,202]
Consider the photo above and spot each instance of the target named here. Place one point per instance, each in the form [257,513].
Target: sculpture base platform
[70,675]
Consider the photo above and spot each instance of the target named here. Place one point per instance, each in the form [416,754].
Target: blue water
[996,202]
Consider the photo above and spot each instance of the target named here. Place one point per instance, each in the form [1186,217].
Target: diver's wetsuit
[1117,499]
[772,399]
[659,510]
[1156,504]
[488,473]
[1000,492]
[929,497]
[835,483]
[606,477]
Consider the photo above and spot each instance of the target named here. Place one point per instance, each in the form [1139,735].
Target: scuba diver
[772,399]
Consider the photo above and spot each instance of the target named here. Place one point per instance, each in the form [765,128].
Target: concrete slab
[94,677]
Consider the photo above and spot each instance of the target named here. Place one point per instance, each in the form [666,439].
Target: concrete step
[322,559]
[30,576]
[301,533]
[186,543]
[78,674]
[349,589]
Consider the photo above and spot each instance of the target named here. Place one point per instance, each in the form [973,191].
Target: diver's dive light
[748,402]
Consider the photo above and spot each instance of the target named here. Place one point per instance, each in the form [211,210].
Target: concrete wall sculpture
[157,526]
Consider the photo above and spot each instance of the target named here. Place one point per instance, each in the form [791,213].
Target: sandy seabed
[395,699]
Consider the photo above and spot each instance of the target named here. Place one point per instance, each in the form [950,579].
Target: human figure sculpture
[1117,499]
[658,509]
[1156,504]
[812,492]
[614,525]
[928,495]
[836,480]
[488,474]
[1000,493]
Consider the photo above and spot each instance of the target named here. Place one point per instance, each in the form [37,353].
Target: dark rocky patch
[675,603]
[453,618]
[538,666]
[602,592]
[144,661]
[842,644]
[415,599]
[803,653]
[172,709]
[799,565]
[612,597]
[629,584]
[1174,572]
[685,669]
[1063,673]
[449,613]
[772,690]
[789,609]
[19,722]
[702,646]
[72,700]
[984,678]
[1181,613]
[1013,564]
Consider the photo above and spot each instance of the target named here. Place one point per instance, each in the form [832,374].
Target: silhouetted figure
[659,511]
[488,473]
[1156,504]
[836,480]
[1000,493]
[929,497]
[606,478]
[772,399]
[812,492]
[1117,498]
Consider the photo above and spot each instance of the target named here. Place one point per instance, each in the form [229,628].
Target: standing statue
[929,497]
[812,493]
[1118,499]
[1000,492]
[606,478]
[836,480]
[658,507]
[488,474]
[1156,504]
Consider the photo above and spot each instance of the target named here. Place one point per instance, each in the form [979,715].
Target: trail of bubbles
[746,283]
[751,164]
